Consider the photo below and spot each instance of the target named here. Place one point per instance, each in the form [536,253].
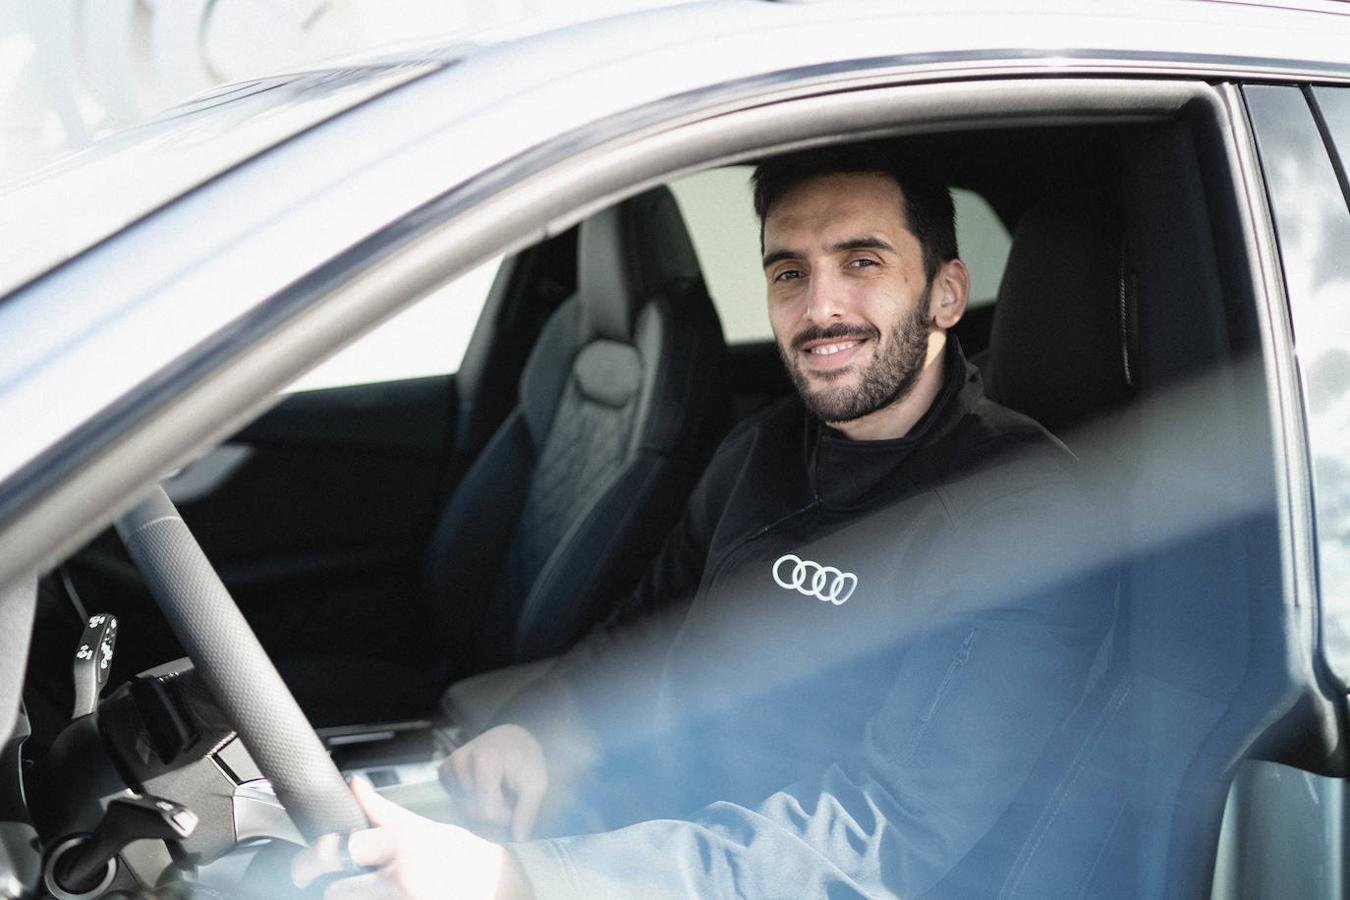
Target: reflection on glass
[99,191]
[1314,228]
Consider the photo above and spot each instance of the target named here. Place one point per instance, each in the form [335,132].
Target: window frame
[505,209]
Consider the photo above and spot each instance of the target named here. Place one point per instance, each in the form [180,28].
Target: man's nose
[824,299]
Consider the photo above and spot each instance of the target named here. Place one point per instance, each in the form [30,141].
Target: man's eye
[861,262]
[788,275]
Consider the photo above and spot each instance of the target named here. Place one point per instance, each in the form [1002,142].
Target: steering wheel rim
[233,664]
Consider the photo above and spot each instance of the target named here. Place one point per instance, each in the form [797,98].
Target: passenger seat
[620,406]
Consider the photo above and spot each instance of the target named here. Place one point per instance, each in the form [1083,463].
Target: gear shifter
[93,661]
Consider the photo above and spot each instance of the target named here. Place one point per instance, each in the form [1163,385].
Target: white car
[1152,199]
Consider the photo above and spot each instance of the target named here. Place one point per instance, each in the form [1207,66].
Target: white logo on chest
[811,579]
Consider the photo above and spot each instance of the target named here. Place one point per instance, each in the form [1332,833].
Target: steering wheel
[232,663]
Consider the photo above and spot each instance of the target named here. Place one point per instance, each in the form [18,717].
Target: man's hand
[412,858]
[501,778]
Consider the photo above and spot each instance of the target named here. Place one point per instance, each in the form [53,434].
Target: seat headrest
[1060,348]
[627,254]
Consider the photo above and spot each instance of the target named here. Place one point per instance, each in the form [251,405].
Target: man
[845,700]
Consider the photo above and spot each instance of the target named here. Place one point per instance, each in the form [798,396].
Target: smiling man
[852,270]
[839,671]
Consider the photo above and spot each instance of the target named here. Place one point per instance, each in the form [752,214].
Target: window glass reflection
[1314,230]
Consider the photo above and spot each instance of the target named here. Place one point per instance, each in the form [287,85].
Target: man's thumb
[377,809]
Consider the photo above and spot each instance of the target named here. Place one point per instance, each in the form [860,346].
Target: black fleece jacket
[876,641]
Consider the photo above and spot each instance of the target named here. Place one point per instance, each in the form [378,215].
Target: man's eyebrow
[867,242]
[862,243]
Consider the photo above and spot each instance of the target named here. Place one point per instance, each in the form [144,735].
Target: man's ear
[951,290]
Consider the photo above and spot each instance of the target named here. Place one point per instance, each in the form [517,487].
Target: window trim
[1282,382]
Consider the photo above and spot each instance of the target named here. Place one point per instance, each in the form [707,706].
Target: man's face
[848,297]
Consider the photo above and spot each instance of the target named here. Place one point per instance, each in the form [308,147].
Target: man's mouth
[829,354]
[828,349]
[831,351]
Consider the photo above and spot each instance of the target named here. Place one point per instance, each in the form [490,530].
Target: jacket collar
[846,474]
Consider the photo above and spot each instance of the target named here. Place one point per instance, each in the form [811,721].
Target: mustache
[839,331]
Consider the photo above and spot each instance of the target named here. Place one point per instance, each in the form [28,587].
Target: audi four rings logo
[814,580]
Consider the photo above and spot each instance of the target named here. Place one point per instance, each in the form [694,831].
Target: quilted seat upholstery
[620,407]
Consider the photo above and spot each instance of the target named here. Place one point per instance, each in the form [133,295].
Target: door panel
[330,472]
[325,519]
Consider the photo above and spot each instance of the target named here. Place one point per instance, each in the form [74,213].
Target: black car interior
[442,528]
[619,407]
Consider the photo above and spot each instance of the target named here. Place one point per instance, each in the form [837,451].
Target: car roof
[83,198]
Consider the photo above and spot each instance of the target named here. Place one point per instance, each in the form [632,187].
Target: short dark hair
[928,211]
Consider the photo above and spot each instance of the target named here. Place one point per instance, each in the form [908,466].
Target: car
[1152,200]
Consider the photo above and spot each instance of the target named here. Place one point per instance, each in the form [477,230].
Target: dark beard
[891,376]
